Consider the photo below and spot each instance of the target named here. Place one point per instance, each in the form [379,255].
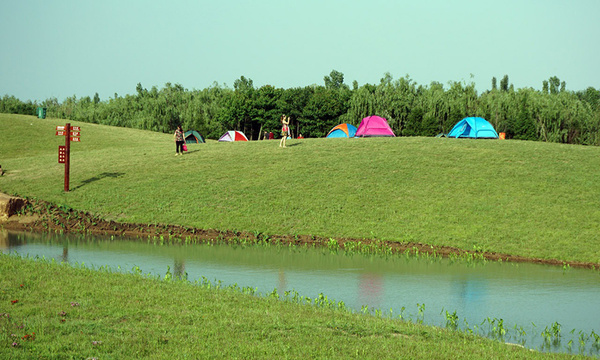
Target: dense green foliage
[552,114]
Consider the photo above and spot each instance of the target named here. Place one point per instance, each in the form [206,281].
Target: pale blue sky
[79,47]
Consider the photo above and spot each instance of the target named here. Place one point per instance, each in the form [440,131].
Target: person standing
[178,140]
[285,121]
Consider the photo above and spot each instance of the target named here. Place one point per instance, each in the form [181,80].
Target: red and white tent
[233,135]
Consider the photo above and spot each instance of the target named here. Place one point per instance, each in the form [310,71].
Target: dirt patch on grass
[41,216]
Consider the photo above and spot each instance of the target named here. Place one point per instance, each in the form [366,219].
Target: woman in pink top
[285,130]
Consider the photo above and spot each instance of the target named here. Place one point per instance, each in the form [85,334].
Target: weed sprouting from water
[333,245]
[552,335]
[274,294]
[421,308]
[401,316]
[522,333]
[451,320]
[496,327]
[596,338]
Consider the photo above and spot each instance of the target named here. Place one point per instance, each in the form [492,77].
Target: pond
[541,307]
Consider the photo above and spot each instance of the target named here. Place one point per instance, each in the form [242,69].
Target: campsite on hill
[528,200]
[521,198]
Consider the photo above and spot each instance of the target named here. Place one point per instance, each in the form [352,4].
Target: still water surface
[527,298]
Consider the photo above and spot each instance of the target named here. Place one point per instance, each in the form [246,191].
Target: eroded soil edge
[41,216]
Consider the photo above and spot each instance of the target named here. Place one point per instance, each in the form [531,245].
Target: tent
[374,126]
[193,137]
[342,131]
[233,135]
[473,128]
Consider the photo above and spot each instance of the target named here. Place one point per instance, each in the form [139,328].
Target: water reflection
[370,289]
[4,240]
[526,298]
[281,283]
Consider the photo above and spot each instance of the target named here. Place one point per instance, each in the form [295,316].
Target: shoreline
[42,216]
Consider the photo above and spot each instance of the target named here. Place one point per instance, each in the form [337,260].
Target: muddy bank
[10,205]
[41,216]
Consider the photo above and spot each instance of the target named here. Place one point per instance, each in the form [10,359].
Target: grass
[58,311]
[522,198]
[531,199]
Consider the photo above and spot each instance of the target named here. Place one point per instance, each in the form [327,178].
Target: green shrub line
[553,114]
[51,312]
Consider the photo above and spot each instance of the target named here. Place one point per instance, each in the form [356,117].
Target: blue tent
[473,128]
[342,131]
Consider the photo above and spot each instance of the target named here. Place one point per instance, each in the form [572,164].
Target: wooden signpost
[71,133]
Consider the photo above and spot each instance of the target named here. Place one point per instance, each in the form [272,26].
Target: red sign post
[64,152]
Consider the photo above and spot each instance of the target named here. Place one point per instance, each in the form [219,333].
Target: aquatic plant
[333,245]
[274,294]
[522,333]
[496,327]
[401,316]
[552,335]
[421,308]
[451,320]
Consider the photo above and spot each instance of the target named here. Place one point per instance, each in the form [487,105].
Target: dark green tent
[193,137]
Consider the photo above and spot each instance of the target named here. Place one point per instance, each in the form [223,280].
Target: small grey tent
[193,137]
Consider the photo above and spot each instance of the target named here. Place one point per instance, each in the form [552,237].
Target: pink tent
[374,126]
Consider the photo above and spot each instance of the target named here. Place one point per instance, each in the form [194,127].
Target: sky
[63,48]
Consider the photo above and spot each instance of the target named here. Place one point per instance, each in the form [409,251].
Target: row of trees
[552,114]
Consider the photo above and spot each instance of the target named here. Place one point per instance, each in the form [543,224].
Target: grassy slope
[126,316]
[523,198]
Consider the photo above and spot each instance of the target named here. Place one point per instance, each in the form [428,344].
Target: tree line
[552,114]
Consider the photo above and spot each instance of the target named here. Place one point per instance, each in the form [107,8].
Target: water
[527,298]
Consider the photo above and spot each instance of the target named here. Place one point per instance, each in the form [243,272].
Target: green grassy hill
[523,198]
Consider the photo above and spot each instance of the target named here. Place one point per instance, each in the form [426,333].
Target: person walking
[178,140]
[285,121]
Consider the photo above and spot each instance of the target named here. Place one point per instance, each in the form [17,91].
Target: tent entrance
[466,130]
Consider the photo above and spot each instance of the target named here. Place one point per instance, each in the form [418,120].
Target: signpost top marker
[71,133]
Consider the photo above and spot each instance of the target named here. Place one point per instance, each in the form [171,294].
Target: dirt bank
[41,216]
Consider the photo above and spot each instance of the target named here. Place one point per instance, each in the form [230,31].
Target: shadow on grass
[101,176]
